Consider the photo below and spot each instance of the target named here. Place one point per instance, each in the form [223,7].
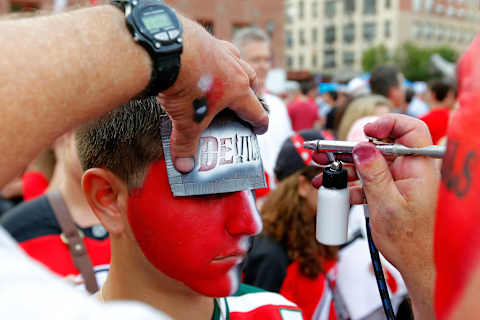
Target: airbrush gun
[391,149]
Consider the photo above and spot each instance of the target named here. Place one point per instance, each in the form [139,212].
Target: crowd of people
[86,193]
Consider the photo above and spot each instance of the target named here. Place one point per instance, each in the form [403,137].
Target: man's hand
[402,197]
[211,69]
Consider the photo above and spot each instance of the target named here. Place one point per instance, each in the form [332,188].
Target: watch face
[157,21]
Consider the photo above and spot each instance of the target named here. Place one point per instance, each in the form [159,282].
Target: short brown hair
[125,141]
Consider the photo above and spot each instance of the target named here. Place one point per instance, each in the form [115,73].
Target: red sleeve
[34,185]
[303,291]
[437,122]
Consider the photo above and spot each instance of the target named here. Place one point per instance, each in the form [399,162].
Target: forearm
[420,282]
[59,71]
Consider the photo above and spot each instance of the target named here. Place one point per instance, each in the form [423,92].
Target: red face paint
[457,236]
[196,240]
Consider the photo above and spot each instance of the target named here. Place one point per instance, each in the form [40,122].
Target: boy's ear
[107,196]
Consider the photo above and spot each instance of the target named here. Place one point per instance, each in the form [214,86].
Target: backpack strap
[72,237]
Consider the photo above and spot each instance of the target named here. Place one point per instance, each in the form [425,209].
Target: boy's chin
[219,288]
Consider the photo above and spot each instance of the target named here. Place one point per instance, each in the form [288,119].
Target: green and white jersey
[254,303]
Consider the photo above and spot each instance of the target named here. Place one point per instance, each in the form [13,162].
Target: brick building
[222,17]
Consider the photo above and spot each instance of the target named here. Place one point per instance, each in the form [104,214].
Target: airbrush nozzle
[385,148]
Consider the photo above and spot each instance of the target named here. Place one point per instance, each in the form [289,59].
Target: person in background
[370,105]
[254,46]
[36,227]
[443,97]
[303,110]
[417,107]
[286,257]
[388,81]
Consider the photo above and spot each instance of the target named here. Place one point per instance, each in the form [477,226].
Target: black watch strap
[164,74]
[165,69]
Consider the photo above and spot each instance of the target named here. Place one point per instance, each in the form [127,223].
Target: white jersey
[279,129]
[29,291]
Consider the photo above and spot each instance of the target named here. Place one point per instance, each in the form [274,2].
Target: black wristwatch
[156,27]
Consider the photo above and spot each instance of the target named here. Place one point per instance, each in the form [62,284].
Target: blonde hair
[359,108]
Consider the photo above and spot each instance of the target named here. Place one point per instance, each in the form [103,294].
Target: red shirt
[306,292]
[34,185]
[303,114]
[437,122]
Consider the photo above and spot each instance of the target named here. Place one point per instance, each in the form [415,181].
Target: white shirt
[29,291]
[279,129]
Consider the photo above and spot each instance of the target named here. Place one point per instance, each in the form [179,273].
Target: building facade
[330,36]
[221,17]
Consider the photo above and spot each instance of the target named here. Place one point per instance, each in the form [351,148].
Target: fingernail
[364,152]
[184,165]
[317,181]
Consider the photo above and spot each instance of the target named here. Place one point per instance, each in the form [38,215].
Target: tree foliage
[413,61]
[374,56]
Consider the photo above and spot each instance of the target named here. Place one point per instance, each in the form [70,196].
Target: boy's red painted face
[196,240]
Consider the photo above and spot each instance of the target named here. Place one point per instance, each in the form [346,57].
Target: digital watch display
[156,27]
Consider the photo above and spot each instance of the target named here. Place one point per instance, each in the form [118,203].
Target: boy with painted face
[172,253]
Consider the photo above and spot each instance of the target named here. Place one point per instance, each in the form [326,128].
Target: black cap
[335,179]
[288,160]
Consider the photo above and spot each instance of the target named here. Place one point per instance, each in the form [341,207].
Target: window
[369,31]
[427,31]
[301,9]
[330,8]
[330,34]
[329,59]
[388,29]
[416,30]
[301,37]
[289,62]
[417,5]
[349,33]
[348,58]
[301,61]
[289,39]
[440,32]
[428,5]
[314,60]
[314,9]
[314,35]
[388,4]
[349,6]
[369,6]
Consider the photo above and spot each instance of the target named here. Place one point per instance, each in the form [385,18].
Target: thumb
[378,185]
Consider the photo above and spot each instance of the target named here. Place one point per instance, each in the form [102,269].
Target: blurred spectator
[357,87]
[286,257]
[254,46]
[442,97]
[290,91]
[417,107]
[324,101]
[388,81]
[35,226]
[371,105]
[303,110]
